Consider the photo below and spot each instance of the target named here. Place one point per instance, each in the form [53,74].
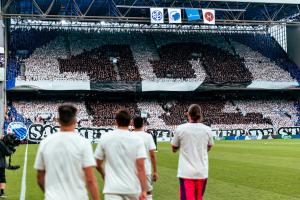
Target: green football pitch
[260,170]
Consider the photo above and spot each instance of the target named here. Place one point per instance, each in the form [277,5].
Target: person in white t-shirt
[65,162]
[194,140]
[120,157]
[138,123]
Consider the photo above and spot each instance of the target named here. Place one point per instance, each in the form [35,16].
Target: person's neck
[123,128]
[138,129]
[194,122]
[67,129]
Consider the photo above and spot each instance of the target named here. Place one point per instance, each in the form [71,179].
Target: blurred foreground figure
[138,123]
[194,140]
[65,162]
[123,155]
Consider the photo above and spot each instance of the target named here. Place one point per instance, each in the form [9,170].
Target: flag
[174,15]
[157,15]
[192,14]
[18,129]
[209,16]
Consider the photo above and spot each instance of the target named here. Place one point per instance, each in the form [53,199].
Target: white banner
[174,15]
[209,16]
[2,74]
[157,15]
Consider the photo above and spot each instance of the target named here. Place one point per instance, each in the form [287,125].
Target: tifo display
[158,61]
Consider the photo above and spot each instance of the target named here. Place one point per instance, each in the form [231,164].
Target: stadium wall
[293,43]
[37,132]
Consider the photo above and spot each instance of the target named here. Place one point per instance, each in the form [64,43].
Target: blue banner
[18,129]
[192,14]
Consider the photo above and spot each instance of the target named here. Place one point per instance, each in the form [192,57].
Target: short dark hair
[195,112]
[67,114]
[123,118]
[138,122]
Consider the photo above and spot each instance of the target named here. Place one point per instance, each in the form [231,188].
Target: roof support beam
[217,9]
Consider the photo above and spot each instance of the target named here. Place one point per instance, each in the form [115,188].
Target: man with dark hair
[124,156]
[65,162]
[194,140]
[138,123]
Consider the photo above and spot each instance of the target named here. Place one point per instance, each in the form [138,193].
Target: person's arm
[210,141]
[41,179]
[100,168]
[209,147]
[154,166]
[100,157]
[91,183]
[39,165]
[175,141]
[175,149]
[141,172]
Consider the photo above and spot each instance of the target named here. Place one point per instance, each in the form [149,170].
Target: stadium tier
[62,60]
[220,115]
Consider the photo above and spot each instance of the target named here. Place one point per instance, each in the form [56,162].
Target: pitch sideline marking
[23,186]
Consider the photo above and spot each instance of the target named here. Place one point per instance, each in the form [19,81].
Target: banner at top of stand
[174,15]
[263,1]
[209,16]
[157,15]
[192,14]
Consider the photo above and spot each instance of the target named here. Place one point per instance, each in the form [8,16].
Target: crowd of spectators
[220,65]
[237,114]
[104,112]
[93,63]
[103,63]
[43,63]
[173,62]
[269,48]
[22,40]
[223,67]
[223,114]
[45,112]
[143,52]
[161,56]
[261,68]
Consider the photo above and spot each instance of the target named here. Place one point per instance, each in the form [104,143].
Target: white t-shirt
[192,140]
[63,156]
[120,149]
[149,145]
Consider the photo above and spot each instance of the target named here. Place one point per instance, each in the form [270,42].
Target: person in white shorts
[138,123]
[120,157]
[65,161]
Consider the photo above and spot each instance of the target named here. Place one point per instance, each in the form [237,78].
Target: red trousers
[192,189]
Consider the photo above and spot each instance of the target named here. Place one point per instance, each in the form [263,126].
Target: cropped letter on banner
[157,15]
[174,15]
[209,16]
[192,14]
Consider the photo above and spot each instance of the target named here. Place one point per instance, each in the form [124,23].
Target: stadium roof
[246,12]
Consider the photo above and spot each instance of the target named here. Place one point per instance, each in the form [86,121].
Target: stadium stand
[44,112]
[104,112]
[223,114]
[134,56]
[269,48]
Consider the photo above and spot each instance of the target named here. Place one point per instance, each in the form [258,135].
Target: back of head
[138,122]
[67,115]
[123,118]
[195,112]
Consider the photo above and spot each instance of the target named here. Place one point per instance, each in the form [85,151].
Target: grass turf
[264,170]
